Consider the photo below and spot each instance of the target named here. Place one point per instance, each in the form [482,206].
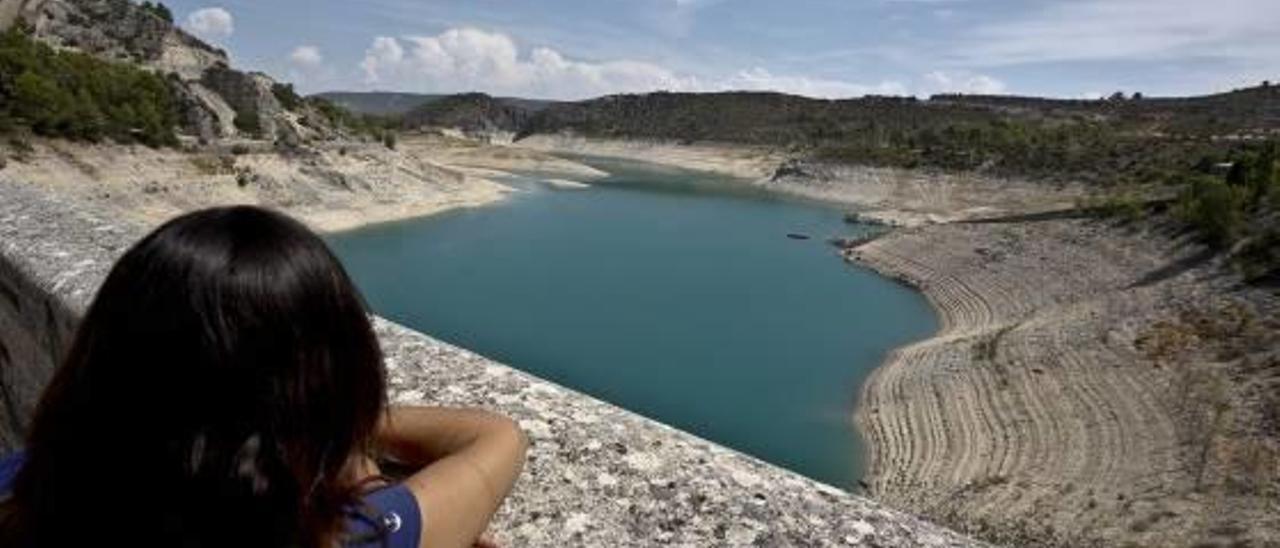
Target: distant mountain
[475,113]
[387,103]
[378,103]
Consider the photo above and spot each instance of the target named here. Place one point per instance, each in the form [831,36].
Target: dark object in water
[795,236]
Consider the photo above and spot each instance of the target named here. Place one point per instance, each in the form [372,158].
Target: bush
[285,94]
[1215,208]
[159,10]
[248,122]
[1126,205]
[76,96]
[362,124]
[389,139]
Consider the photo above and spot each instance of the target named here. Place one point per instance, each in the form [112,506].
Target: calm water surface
[675,294]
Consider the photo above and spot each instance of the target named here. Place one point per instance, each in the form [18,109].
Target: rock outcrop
[117,30]
[216,101]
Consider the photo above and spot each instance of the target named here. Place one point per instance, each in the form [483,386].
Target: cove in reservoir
[675,294]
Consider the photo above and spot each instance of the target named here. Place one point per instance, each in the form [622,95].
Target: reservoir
[686,297]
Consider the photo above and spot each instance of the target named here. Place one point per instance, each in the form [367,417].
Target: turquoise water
[674,294]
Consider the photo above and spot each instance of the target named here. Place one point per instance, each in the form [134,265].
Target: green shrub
[76,96]
[248,122]
[285,94]
[362,124]
[1215,208]
[159,10]
[1125,205]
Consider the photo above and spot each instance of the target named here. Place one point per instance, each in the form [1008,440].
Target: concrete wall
[597,475]
[34,332]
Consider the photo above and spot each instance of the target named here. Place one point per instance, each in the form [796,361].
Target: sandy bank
[1090,385]
[478,157]
[899,197]
[745,162]
[565,184]
[332,188]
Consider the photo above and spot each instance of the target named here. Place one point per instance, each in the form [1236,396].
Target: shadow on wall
[35,330]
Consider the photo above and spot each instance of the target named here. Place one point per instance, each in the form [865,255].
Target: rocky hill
[1214,155]
[1102,141]
[108,102]
[385,103]
[379,103]
[213,101]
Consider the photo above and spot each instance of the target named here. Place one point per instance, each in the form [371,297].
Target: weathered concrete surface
[597,475]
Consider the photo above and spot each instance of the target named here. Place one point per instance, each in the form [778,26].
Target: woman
[226,389]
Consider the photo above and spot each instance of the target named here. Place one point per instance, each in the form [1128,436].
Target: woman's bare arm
[470,460]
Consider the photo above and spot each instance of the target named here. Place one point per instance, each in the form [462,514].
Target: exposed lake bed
[681,295]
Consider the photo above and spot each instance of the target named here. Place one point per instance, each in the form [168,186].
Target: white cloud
[214,24]
[381,59]
[307,56]
[468,59]
[962,82]
[759,79]
[1131,30]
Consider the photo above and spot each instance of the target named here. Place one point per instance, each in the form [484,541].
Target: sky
[574,49]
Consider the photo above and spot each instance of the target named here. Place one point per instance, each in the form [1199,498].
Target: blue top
[393,508]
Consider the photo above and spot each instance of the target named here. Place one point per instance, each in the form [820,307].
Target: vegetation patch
[76,96]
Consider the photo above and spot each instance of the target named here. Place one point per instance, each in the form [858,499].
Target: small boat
[795,236]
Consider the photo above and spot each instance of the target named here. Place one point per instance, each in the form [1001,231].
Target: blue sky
[568,49]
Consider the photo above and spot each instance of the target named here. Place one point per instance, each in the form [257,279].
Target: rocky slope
[212,94]
[1092,384]
[244,138]
[331,187]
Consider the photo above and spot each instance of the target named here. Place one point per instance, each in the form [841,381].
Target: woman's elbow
[515,436]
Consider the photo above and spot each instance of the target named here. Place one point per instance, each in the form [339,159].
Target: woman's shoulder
[392,509]
[10,465]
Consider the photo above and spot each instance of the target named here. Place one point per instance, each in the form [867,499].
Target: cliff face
[117,30]
[217,101]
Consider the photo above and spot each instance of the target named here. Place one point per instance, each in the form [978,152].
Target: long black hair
[217,390]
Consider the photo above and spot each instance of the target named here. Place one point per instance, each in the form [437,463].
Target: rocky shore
[1092,384]
[331,186]
[891,196]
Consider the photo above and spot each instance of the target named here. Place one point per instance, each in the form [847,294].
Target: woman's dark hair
[214,395]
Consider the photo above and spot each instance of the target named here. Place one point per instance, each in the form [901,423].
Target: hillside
[378,103]
[91,55]
[1213,155]
[1105,141]
[108,102]
[386,103]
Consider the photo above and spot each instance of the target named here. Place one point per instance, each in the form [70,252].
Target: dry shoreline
[331,187]
[1067,398]
[898,197]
